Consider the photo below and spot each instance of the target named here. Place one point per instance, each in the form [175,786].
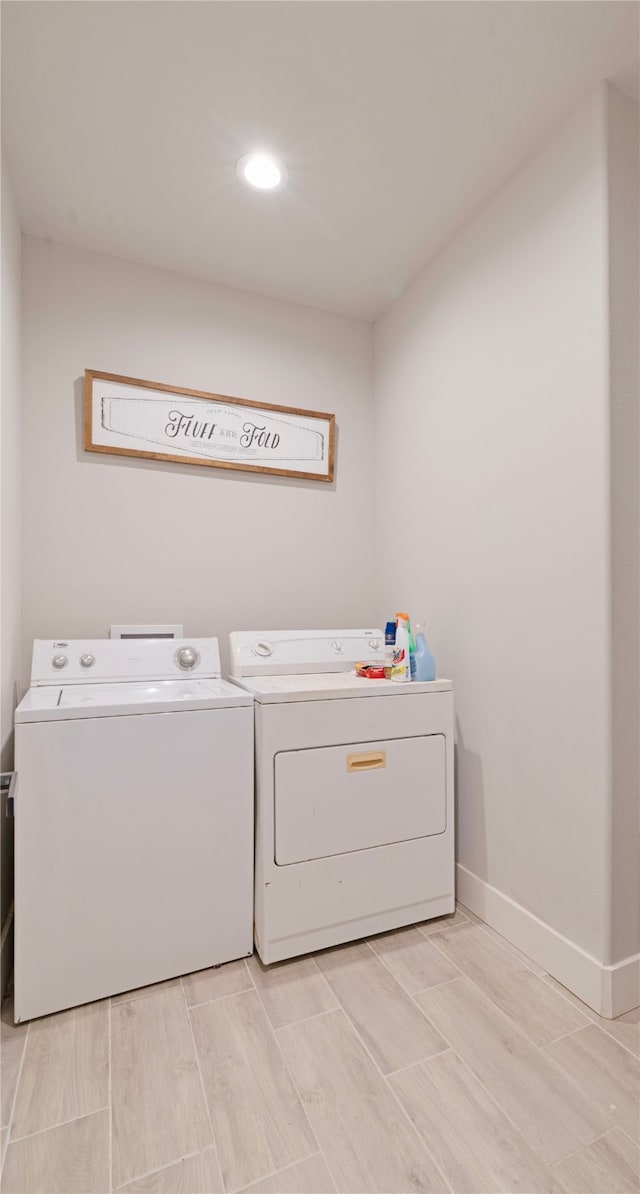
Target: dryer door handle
[368,761]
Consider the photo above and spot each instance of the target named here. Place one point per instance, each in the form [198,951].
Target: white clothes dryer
[354,790]
[133,819]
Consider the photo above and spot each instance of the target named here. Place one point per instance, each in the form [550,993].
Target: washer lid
[273,690]
[73,701]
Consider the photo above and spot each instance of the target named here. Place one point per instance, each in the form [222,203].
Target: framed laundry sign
[129,417]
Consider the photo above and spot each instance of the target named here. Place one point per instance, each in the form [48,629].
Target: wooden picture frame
[126,416]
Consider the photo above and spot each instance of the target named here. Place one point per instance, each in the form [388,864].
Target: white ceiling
[122,124]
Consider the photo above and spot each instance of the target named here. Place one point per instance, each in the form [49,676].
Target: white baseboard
[621,987]
[6,951]
[609,990]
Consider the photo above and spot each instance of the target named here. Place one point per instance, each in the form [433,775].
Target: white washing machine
[133,819]
[354,791]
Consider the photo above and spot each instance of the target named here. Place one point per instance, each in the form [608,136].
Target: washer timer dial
[187,658]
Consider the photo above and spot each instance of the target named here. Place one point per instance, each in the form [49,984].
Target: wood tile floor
[434,1058]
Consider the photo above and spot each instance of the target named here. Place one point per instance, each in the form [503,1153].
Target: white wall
[10,509]
[491,380]
[624,205]
[111,539]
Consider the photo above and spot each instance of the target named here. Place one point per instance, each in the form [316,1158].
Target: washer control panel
[114,660]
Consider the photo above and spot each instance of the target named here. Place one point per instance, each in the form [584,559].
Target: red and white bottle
[401,667]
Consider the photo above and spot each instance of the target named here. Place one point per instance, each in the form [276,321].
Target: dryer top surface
[332,686]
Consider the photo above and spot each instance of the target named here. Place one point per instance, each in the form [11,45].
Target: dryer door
[337,799]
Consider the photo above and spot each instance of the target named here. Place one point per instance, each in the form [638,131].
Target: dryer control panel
[295,652]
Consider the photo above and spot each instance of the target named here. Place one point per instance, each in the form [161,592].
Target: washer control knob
[263,648]
[87,660]
[187,658]
[374,644]
[59,661]
[337,646]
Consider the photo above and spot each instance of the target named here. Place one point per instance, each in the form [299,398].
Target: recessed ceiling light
[261,171]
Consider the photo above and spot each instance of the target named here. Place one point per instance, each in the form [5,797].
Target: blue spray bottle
[425,663]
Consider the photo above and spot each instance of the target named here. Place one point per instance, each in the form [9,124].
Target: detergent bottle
[389,644]
[401,668]
[425,663]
